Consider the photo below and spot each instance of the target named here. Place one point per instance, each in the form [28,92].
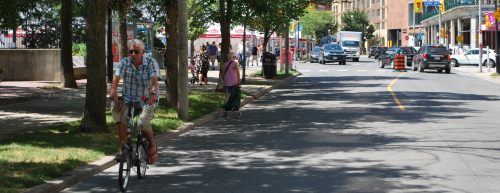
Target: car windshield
[409,51]
[440,50]
[333,47]
[350,43]
[316,49]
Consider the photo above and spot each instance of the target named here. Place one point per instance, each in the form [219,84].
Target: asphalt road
[339,129]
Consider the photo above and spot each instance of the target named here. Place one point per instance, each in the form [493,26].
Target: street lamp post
[420,32]
[497,57]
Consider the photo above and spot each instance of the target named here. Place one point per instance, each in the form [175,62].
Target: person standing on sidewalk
[213,54]
[205,66]
[247,53]
[277,52]
[254,54]
[231,74]
[260,47]
[240,53]
[140,78]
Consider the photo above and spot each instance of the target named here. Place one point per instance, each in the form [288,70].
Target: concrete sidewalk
[55,106]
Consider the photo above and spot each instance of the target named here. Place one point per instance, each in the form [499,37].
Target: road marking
[342,70]
[380,70]
[305,70]
[392,93]
[323,70]
[369,65]
[361,70]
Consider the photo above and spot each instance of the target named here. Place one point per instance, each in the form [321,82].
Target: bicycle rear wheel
[124,170]
[142,159]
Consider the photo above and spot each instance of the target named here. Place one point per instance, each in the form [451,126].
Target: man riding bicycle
[140,78]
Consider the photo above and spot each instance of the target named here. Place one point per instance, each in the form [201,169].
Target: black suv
[378,51]
[432,57]
[387,57]
[332,53]
[371,52]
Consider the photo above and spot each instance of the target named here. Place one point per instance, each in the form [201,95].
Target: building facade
[377,12]
[461,19]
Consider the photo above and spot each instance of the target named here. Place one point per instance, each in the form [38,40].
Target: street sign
[431,3]
[300,27]
[407,38]
[460,38]
[420,36]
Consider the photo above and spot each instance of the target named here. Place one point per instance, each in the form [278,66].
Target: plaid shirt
[137,83]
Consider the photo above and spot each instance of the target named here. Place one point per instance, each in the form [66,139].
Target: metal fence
[37,34]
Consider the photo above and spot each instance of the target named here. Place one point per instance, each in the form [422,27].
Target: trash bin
[269,64]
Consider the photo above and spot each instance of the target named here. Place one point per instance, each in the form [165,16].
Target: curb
[81,173]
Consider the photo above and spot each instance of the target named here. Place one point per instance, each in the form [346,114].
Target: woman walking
[231,74]
[205,66]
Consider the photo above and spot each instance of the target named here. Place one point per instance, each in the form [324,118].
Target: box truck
[351,42]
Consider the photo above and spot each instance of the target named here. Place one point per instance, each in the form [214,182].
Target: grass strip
[495,75]
[279,75]
[31,159]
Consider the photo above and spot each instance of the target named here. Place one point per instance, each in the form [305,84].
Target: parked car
[387,57]
[315,54]
[378,51]
[432,57]
[332,53]
[371,52]
[471,57]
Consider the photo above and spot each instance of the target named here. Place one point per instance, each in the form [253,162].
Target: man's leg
[153,155]
[121,130]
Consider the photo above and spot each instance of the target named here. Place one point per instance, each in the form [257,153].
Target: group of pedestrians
[253,54]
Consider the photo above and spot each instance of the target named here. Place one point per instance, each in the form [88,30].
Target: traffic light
[447,33]
[311,7]
[418,6]
[442,6]
[442,32]
[294,26]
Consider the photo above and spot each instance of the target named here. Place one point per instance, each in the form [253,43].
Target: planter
[79,61]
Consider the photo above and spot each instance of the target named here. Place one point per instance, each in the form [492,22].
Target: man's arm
[114,85]
[154,89]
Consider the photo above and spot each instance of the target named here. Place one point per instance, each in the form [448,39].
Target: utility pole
[480,40]
[183,59]
[441,41]
[497,57]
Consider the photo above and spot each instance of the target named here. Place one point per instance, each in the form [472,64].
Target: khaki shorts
[120,111]
[254,57]
[212,58]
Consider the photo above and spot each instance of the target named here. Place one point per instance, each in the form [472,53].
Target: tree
[358,22]
[68,76]
[197,22]
[122,7]
[318,23]
[10,13]
[94,115]
[172,59]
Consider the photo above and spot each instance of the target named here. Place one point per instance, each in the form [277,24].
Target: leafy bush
[79,49]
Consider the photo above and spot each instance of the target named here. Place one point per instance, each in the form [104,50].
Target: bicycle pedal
[147,167]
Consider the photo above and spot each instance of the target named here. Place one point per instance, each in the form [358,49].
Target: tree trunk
[172,56]
[94,114]
[68,76]
[225,28]
[122,28]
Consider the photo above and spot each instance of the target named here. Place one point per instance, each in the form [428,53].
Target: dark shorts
[228,89]
[218,58]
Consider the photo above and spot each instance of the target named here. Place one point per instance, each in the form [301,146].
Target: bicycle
[131,158]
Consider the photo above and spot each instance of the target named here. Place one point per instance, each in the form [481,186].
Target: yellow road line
[393,95]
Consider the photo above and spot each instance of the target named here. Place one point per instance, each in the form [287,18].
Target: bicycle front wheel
[142,159]
[124,170]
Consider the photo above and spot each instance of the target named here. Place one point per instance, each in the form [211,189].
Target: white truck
[350,41]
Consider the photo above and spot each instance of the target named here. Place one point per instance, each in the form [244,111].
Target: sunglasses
[132,51]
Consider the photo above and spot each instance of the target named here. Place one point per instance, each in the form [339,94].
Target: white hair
[230,55]
[137,42]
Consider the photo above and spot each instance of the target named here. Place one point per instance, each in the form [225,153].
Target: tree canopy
[358,22]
